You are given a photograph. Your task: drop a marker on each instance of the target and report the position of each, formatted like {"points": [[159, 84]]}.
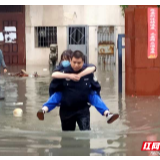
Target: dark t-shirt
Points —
{"points": [[76, 93], [72, 89]]}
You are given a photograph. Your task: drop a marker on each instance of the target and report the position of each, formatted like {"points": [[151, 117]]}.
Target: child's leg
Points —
{"points": [[96, 101], [52, 102]]}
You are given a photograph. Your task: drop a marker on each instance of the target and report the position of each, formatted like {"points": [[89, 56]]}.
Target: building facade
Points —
{"points": [[92, 29]]}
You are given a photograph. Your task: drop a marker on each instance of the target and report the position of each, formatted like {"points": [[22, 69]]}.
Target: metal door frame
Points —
{"points": [[120, 47], [86, 39]]}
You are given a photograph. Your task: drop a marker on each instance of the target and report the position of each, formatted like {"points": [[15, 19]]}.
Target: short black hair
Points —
{"points": [[78, 54]]}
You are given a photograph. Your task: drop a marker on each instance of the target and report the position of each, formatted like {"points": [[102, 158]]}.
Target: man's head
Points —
{"points": [[77, 60]]}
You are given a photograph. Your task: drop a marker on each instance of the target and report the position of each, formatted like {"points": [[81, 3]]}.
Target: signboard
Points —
{"points": [[105, 36], [105, 48], [1, 37], [10, 34]]}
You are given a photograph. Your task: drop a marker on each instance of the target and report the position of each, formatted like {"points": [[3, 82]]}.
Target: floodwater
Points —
{"points": [[139, 120]]}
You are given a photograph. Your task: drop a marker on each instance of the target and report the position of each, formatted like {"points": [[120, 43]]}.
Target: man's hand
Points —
{"points": [[79, 75], [74, 77], [5, 70]]}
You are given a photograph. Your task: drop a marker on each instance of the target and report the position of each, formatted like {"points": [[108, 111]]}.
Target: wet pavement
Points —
{"points": [[139, 119]]}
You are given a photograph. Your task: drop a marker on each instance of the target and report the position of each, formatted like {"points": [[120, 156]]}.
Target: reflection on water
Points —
{"points": [[139, 120]]}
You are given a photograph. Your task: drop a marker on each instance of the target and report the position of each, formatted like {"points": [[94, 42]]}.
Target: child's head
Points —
{"points": [[65, 58]]}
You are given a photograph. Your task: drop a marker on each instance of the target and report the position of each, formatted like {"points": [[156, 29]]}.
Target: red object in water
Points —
{"points": [[152, 33]]}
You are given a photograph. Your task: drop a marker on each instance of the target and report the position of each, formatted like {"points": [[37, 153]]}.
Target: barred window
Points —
{"points": [[76, 35], [44, 36]]}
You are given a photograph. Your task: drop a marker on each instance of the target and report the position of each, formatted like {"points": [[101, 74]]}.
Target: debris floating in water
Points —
{"points": [[18, 104], [44, 69], [107, 79], [2, 98], [22, 73], [18, 112], [14, 104]]}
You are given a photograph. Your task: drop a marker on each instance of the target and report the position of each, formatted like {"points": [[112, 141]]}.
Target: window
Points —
{"points": [[45, 36], [76, 35]]}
